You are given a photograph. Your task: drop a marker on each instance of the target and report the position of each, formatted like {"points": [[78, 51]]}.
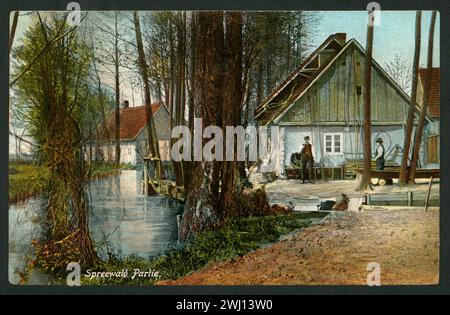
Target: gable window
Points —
{"points": [[333, 143]]}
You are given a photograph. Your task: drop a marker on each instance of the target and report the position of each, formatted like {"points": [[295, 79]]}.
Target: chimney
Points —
{"points": [[342, 37], [126, 104]]}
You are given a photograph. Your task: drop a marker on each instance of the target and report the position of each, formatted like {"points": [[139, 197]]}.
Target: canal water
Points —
{"points": [[122, 221]]}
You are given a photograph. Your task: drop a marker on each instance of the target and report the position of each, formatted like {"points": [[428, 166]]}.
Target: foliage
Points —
{"points": [[234, 238], [64, 65], [275, 43], [54, 256], [53, 94]]}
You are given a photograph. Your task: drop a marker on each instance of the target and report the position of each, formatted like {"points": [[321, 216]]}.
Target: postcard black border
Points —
{"points": [[326, 5]]}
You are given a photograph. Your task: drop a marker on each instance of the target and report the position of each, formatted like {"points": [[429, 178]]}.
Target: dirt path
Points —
{"points": [[405, 243]]}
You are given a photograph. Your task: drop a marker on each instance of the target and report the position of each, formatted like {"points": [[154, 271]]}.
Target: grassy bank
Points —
{"points": [[99, 170], [22, 180], [25, 178], [234, 239]]}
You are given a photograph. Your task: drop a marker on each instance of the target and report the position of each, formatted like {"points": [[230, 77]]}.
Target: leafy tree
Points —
{"points": [[53, 94]]}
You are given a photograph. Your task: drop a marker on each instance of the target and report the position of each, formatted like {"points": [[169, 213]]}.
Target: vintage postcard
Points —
{"points": [[224, 147]]}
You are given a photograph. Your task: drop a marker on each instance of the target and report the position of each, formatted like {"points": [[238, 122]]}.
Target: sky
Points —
{"points": [[395, 35]]}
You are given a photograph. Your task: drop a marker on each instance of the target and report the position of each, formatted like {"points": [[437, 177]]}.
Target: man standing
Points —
{"points": [[379, 158], [307, 160]]}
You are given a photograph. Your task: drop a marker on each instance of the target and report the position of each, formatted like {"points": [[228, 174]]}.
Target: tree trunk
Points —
{"points": [[105, 136], [259, 83], [173, 103], [81, 218], [412, 105], [151, 129], [215, 189], [180, 88], [117, 77], [232, 100], [426, 95], [202, 208], [13, 29], [182, 67], [192, 66], [366, 176]]}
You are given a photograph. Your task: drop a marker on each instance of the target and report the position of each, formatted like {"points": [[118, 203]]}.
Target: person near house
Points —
{"points": [[307, 160], [379, 151]]}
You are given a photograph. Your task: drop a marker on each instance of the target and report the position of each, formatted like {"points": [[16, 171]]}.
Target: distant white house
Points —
{"points": [[133, 134]]}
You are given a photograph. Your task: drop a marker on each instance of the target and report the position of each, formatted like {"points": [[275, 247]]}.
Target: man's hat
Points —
{"points": [[306, 138], [379, 140]]}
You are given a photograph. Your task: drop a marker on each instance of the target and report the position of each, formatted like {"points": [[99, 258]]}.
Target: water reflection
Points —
{"points": [[122, 221], [23, 223]]}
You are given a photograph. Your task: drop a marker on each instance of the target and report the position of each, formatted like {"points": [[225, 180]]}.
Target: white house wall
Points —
{"points": [[127, 152], [293, 139], [161, 119]]}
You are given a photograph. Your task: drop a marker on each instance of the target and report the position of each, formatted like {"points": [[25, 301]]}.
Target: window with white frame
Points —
{"points": [[333, 143]]}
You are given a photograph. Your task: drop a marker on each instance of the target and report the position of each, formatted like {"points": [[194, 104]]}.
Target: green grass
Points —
{"points": [[22, 180], [25, 178], [105, 169], [236, 238]]}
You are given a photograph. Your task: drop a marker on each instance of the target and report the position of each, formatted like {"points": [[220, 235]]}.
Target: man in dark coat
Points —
{"points": [[379, 157], [307, 160]]}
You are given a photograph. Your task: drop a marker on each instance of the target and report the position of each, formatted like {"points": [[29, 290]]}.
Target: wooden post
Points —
{"points": [[428, 194], [13, 30], [404, 176], [365, 183], [146, 177]]}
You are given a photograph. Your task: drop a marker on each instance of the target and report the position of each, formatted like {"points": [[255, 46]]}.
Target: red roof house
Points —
{"points": [[133, 132]]}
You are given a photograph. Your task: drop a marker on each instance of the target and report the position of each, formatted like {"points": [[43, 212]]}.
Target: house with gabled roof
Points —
{"points": [[323, 99], [133, 133]]}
